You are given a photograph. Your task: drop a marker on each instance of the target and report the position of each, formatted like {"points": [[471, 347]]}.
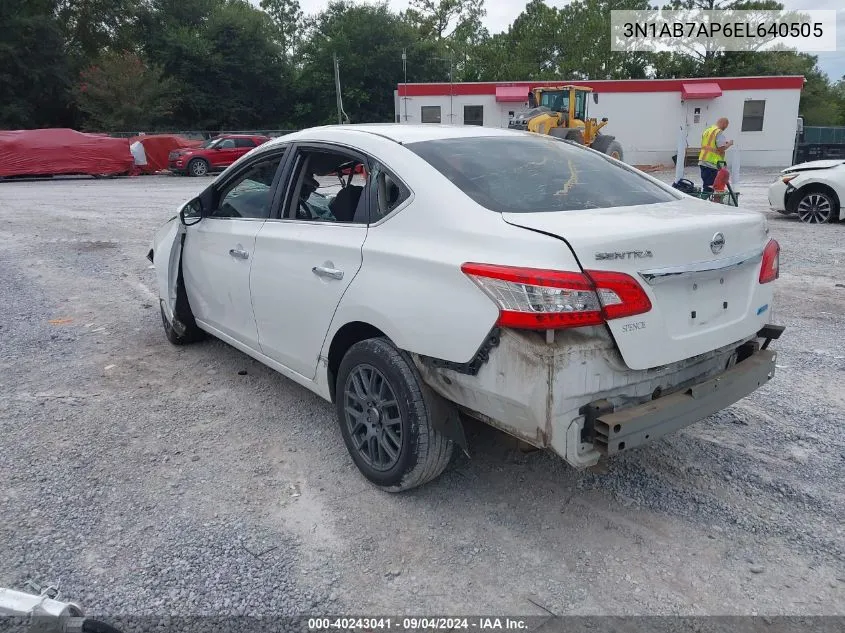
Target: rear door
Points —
{"points": [[218, 251], [306, 259], [243, 146]]}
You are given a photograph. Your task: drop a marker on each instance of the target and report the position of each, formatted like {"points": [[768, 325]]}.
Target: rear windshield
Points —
{"points": [[528, 173]]}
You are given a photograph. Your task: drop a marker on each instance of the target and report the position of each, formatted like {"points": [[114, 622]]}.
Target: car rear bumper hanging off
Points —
{"points": [[576, 397], [617, 431]]}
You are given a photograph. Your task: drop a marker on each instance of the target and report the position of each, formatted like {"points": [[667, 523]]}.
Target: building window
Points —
{"points": [[473, 115], [430, 114], [752, 116]]}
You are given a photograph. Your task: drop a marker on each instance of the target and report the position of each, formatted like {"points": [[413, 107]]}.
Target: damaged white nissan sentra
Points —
{"points": [[409, 274]]}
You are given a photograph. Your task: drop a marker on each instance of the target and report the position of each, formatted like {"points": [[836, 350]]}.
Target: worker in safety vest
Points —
{"points": [[713, 146]]}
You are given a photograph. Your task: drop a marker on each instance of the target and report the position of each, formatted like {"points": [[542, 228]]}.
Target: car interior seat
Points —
{"points": [[345, 202]]}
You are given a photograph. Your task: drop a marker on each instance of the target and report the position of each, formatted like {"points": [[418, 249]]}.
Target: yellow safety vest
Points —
{"points": [[708, 153]]}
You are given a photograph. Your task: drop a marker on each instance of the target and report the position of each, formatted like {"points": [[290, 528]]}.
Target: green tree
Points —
{"points": [[437, 19], [287, 14], [122, 93], [225, 56], [368, 40], [533, 48], [586, 51], [34, 70], [92, 26]]}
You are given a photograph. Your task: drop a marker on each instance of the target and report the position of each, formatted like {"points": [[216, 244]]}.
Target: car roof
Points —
{"points": [[241, 136], [402, 133]]}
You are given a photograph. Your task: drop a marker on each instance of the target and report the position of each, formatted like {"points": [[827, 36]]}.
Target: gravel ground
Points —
{"points": [[149, 479]]}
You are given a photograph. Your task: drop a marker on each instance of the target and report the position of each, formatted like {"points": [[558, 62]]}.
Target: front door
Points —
{"points": [[305, 261], [225, 153], [219, 251]]}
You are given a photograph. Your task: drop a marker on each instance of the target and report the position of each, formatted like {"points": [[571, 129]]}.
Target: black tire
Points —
{"points": [[185, 330], [816, 205], [614, 150], [392, 399], [198, 167], [190, 333], [575, 135]]}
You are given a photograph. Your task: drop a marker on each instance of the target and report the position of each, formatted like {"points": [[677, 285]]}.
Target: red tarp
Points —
{"points": [[700, 91], [157, 147], [57, 151], [511, 93]]}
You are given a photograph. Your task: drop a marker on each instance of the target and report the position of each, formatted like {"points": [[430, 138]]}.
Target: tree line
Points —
{"points": [[130, 65]]}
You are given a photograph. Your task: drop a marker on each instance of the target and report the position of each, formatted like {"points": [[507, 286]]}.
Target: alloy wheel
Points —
{"points": [[199, 168], [815, 208], [373, 417]]}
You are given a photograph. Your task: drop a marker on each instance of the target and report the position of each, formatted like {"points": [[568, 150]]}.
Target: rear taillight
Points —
{"points": [[770, 268], [537, 299]]}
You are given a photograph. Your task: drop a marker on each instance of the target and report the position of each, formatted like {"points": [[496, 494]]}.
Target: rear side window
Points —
{"points": [[524, 174], [244, 142]]}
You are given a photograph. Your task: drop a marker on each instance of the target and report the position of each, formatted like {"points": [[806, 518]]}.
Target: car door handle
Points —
{"points": [[322, 271], [238, 254]]}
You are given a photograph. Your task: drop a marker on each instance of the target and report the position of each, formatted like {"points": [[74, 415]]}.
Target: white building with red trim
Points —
{"points": [[645, 115]]}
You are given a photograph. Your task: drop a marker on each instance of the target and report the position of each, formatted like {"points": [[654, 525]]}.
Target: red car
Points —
{"points": [[214, 155]]}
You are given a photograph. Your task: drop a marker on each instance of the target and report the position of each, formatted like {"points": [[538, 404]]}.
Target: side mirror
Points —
{"points": [[191, 212], [595, 97]]}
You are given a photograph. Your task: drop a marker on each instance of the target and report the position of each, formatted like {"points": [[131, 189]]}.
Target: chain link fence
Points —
{"points": [[201, 134]]}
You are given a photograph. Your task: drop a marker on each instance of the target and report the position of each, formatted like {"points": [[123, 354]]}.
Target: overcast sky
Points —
{"points": [[500, 13]]}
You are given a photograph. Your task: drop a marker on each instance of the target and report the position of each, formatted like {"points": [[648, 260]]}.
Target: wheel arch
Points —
{"points": [[345, 337]]}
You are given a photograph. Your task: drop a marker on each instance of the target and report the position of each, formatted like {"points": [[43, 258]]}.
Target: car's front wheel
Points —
{"points": [[384, 419], [817, 207], [198, 167], [180, 333]]}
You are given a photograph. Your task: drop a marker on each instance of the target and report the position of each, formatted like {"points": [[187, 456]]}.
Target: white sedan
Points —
{"points": [[534, 284], [814, 191]]}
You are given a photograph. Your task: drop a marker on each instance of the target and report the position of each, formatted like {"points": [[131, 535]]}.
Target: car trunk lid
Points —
{"points": [[698, 262]]}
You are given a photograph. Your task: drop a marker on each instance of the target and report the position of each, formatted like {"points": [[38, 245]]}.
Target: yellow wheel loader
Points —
{"points": [[562, 112]]}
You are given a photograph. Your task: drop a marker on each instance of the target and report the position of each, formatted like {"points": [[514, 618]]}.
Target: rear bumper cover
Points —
{"points": [[635, 426], [570, 395]]}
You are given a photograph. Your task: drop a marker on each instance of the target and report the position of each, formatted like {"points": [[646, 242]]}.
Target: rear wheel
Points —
{"points": [[383, 418], [817, 207], [614, 150], [198, 167], [575, 135]]}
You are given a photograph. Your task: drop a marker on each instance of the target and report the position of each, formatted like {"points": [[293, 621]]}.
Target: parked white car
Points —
{"points": [[814, 191], [534, 284]]}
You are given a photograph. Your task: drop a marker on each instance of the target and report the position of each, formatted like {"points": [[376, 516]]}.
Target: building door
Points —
{"points": [[698, 118]]}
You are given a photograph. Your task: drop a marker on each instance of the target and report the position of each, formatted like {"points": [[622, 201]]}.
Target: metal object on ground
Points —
{"points": [[43, 612]]}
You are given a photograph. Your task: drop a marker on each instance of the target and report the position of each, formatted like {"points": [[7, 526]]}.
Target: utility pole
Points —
{"points": [[341, 115], [405, 85], [451, 60]]}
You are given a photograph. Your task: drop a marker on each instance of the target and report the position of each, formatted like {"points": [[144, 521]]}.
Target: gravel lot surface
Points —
{"points": [[149, 479]]}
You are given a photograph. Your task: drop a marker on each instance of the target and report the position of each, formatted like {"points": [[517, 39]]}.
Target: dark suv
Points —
{"points": [[214, 155]]}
